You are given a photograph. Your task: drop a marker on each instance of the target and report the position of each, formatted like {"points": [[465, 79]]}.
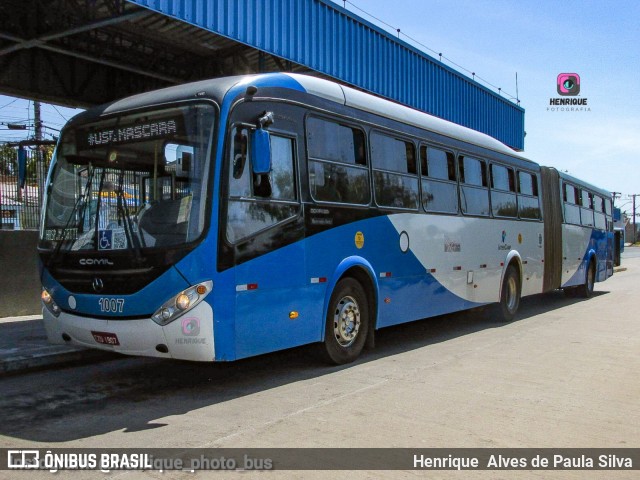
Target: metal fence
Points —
{"points": [[23, 171]]}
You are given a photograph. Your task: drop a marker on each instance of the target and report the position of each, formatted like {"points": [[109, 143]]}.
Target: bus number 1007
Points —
{"points": [[111, 305]]}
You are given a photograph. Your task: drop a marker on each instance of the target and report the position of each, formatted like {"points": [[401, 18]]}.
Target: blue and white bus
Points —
{"points": [[233, 217]]}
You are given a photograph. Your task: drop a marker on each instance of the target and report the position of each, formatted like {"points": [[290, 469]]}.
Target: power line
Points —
{"points": [[63, 117], [10, 103]]}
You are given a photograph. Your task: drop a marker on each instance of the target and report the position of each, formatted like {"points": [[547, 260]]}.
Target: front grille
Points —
{"points": [[122, 282]]}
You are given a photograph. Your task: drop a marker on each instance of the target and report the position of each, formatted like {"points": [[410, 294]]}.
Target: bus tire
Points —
{"points": [[347, 323], [509, 295], [586, 289]]}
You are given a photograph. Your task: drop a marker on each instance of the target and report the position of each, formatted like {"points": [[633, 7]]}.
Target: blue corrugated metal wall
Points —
{"points": [[327, 38]]}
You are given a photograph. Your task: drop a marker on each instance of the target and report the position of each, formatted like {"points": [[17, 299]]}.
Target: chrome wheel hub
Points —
{"points": [[346, 321]]}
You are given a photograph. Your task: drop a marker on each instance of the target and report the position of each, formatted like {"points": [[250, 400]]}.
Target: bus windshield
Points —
{"points": [[131, 182]]}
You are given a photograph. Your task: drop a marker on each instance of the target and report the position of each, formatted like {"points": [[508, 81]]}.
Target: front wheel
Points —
{"points": [[347, 323], [510, 295]]}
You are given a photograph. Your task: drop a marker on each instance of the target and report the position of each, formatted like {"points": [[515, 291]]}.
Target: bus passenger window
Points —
{"points": [[474, 196], [502, 178], [394, 164], [359, 152], [423, 160], [333, 141], [571, 204], [337, 166], [598, 204], [411, 158], [503, 197], [599, 215], [528, 201], [439, 190], [586, 211]]}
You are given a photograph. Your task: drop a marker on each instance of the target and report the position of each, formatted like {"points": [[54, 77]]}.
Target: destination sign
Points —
{"points": [[157, 129]]}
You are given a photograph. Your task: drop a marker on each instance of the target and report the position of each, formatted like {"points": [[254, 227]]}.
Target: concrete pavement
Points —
{"points": [[24, 347]]}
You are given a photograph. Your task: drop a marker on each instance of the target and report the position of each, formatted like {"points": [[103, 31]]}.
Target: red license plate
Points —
{"points": [[105, 338]]}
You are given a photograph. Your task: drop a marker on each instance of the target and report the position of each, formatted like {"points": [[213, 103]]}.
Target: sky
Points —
{"points": [[538, 40]]}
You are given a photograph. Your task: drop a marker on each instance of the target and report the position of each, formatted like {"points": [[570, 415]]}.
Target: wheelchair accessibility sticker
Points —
{"points": [[105, 239], [112, 239]]}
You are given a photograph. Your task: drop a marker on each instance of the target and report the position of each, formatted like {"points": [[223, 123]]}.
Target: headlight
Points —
{"points": [[48, 302], [182, 303]]}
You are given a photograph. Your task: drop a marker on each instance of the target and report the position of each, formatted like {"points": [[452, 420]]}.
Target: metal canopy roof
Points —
{"points": [[83, 53]]}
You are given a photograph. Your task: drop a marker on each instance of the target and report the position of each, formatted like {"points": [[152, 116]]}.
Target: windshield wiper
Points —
{"points": [[73, 211], [123, 211]]}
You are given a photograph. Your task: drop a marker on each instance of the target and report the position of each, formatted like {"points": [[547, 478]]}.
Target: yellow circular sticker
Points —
{"points": [[519, 238], [359, 239]]}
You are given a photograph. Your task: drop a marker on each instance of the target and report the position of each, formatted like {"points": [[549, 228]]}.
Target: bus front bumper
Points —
{"points": [[189, 337]]}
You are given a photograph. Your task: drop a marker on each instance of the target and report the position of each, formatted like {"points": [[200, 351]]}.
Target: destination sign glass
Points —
{"points": [[150, 130]]}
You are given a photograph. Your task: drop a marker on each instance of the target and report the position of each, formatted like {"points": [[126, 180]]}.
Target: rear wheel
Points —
{"points": [[510, 295], [586, 290], [347, 323]]}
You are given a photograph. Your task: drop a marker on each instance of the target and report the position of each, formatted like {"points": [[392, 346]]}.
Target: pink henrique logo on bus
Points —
{"points": [[190, 326]]}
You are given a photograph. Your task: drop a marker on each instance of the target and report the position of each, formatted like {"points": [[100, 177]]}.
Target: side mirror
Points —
{"points": [[260, 151]]}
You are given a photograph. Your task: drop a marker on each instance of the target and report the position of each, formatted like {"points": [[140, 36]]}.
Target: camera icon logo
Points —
{"points": [[190, 327], [23, 459], [568, 84]]}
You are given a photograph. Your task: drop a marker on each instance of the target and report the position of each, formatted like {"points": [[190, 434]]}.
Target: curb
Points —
{"points": [[26, 363]]}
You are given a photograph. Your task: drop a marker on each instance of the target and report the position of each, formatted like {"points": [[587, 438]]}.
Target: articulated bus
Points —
{"points": [[233, 217]]}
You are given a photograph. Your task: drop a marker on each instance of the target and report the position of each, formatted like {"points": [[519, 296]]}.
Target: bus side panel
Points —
{"points": [[277, 306], [423, 263], [468, 256], [224, 315], [579, 243], [401, 278]]}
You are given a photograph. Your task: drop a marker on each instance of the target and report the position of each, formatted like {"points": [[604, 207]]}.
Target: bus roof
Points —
{"points": [[386, 108], [217, 88], [582, 183]]}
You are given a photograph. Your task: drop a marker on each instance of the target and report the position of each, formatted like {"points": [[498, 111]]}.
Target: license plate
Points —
{"points": [[105, 338]]}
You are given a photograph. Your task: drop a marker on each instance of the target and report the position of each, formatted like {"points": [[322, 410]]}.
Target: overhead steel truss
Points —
{"points": [[81, 53]]}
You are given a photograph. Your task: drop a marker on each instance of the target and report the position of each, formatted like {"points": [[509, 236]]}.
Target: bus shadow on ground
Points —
{"points": [[130, 394], [422, 333]]}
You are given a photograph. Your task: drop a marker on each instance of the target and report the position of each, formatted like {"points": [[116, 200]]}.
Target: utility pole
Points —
{"points": [[38, 136], [616, 195], [635, 231]]}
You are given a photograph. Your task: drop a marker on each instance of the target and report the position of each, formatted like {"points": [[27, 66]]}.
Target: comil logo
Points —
{"points": [[568, 84]]}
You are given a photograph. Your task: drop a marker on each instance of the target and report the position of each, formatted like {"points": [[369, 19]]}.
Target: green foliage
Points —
{"points": [[8, 160]]}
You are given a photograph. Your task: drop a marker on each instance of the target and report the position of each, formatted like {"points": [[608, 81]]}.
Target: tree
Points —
{"points": [[8, 160]]}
